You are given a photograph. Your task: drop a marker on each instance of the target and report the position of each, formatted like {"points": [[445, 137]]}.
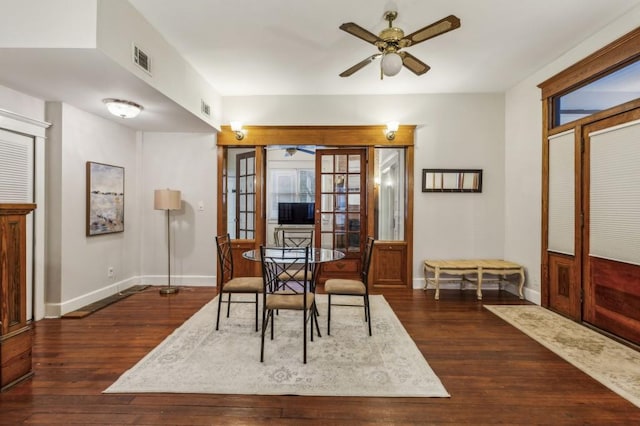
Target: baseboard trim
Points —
{"points": [[56, 310], [529, 294]]}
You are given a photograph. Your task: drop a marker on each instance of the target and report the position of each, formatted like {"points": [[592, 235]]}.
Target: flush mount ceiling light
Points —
{"points": [[122, 108]]}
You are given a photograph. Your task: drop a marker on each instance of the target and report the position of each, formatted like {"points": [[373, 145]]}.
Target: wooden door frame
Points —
{"points": [[613, 56], [370, 137]]}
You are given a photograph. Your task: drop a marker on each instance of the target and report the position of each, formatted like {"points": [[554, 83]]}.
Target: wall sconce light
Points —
{"points": [[122, 108], [236, 127], [392, 128]]}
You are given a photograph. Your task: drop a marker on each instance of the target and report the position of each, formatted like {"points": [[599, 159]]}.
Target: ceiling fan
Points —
{"points": [[391, 40]]}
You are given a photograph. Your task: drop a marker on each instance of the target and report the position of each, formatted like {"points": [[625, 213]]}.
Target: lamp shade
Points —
{"points": [[391, 64], [167, 199]]}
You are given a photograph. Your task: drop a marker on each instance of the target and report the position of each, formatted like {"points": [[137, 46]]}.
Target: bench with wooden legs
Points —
{"points": [[464, 270]]}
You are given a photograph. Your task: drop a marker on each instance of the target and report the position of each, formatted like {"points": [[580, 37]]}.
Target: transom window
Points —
{"points": [[615, 88]]}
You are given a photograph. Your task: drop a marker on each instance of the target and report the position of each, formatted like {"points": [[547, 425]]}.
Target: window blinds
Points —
{"points": [[614, 215], [16, 167], [561, 193]]}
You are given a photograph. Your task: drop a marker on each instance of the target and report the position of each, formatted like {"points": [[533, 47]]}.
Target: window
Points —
{"points": [[616, 88]]}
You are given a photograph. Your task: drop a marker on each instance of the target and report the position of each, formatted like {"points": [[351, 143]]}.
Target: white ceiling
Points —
{"points": [[294, 47]]}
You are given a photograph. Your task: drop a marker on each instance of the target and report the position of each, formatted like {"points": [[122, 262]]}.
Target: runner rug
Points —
{"points": [[613, 364], [196, 358]]}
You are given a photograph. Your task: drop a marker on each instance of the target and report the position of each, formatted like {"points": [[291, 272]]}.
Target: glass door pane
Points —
{"points": [[245, 206], [342, 186]]}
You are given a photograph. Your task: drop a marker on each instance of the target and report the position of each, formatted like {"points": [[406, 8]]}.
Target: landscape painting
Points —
{"points": [[105, 199]]}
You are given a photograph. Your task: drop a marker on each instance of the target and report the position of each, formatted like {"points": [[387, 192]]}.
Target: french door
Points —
{"points": [[611, 231], [341, 208], [246, 195]]}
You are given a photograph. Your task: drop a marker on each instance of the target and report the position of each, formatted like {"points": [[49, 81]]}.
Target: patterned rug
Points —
{"points": [[614, 365], [196, 358]]}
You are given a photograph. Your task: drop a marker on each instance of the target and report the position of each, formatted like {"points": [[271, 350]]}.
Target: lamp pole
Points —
{"points": [[166, 199]]}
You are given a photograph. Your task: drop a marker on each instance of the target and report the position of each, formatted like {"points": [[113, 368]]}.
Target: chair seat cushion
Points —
{"points": [[243, 285], [344, 286], [288, 300]]}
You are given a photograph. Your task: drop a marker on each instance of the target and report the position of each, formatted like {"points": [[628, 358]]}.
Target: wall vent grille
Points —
{"points": [[205, 108], [141, 59]]}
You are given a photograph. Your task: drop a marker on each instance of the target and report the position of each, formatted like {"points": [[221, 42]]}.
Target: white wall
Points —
{"points": [[523, 153], [170, 73], [75, 23], [454, 131], [76, 270], [20, 103], [186, 162]]}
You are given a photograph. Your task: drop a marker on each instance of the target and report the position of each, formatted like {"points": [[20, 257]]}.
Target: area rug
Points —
{"points": [[196, 358], [614, 365]]}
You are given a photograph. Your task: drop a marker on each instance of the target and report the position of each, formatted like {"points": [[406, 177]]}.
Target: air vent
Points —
{"points": [[141, 59], [205, 108]]}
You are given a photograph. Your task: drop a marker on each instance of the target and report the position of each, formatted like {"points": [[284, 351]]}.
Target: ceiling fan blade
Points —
{"points": [[361, 33], [442, 26], [414, 64], [359, 65]]}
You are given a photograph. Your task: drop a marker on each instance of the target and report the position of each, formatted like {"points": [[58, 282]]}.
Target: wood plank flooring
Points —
{"points": [[494, 373]]}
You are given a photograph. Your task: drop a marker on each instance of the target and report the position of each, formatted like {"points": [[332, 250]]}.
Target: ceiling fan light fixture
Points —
{"points": [[391, 64], [122, 108]]}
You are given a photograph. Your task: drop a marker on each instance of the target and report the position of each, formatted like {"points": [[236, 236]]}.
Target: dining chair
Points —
{"points": [[283, 292], [228, 284], [295, 237], [350, 287]]}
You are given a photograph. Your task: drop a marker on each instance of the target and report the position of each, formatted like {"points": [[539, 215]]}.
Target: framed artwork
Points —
{"points": [[451, 180], [105, 199]]}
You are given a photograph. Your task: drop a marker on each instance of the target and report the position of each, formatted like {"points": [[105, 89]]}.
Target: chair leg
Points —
{"points": [[220, 296], [256, 311], [329, 315], [273, 320], [304, 336], [367, 311], [229, 305], [265, 320], [315, 320]]}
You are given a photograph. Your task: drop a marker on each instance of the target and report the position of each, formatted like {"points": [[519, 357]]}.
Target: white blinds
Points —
{"points": [[16, 168], [614, 217], [560, 238]]}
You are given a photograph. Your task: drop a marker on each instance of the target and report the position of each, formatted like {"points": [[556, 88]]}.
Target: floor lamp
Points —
{"points": [[167, 199]]}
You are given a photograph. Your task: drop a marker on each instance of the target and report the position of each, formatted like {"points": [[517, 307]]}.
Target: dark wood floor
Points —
{"points": [[494, 373]]}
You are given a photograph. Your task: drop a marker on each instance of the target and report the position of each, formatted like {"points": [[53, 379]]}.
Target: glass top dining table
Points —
{"points": [[316, 255]]}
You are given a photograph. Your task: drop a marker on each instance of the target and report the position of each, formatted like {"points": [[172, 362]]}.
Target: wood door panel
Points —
{"points": [[388, 268], [241, 266], [614, 298], [564, 288]]}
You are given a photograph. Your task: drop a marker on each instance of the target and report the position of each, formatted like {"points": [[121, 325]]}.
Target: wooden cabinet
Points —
{"points": [[15, 329]]}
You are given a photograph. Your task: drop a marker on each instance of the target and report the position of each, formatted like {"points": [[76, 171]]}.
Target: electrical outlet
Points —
{"points": [[110, 272]]}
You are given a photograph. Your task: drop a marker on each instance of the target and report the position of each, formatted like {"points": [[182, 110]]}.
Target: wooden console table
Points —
{"points": [[464, 269], [15, 329]]}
